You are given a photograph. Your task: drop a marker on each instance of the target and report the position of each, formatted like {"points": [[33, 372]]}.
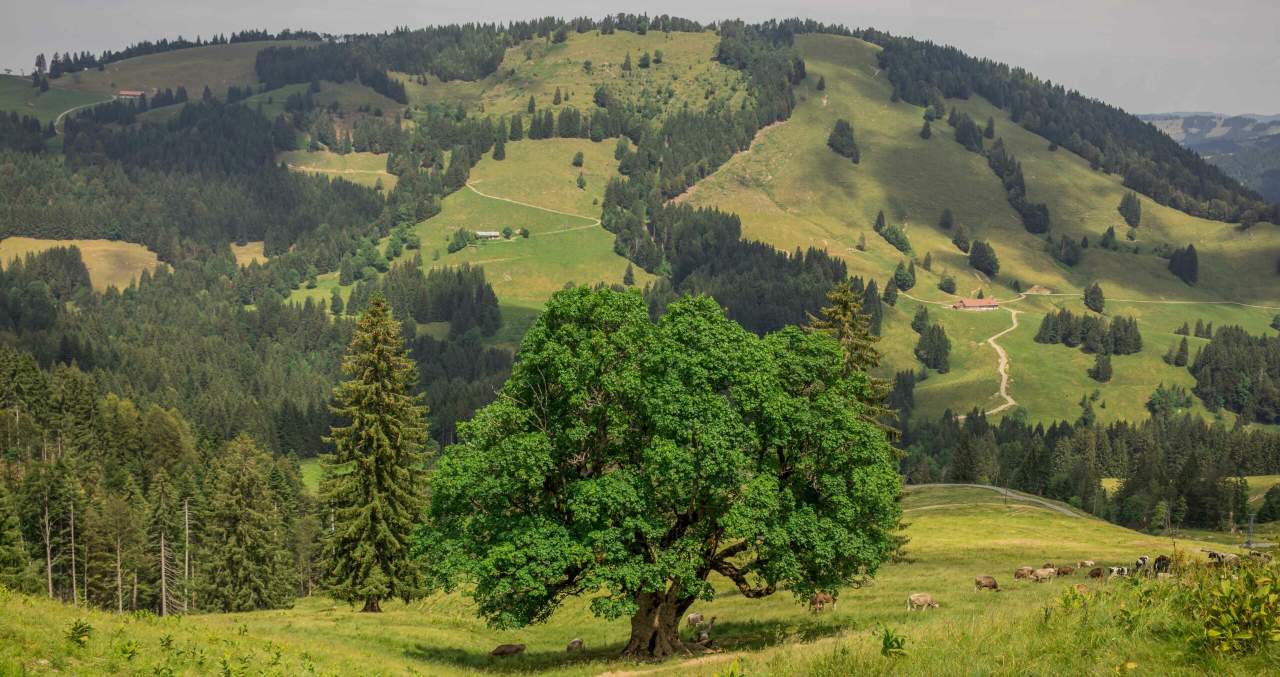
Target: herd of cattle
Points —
{"points": [[821, 601]]}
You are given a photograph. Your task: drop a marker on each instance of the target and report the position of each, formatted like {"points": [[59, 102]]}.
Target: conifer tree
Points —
{"points": [[517, 128], [841, 140], [1094, 299], [873, 307], [629, 277], [846, 320], [926, 131], [990, 130], [934, 348], [1180, 357], [17, 570], [983, 257], [920, 321], [947, 284], [890, 296], [247, 564], [927, 264], [335, 303], [880, 222], [1101, 371], [1131, 209], [555, 100], [961, 239], [374, 486], [499, 150], [532, 106], [822, 83]]}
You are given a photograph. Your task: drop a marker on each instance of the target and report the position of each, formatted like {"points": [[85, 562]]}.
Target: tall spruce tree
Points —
{"points": [[845, 320], [374, 484], [1131, 209], [246, 565], [17, 569]]}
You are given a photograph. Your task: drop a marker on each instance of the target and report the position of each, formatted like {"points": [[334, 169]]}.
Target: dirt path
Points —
{"points": [[594, 221], [1006, 493], [1003, 365], [58, 120]]}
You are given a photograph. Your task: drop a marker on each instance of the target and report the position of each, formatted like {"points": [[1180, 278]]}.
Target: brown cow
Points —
{"points": [[1096, 572], [1085, 563], [575, 645], [985, 583], [1042, 575], [1066, 571], [507, 650], [819, 601], [920, 600], [1022, 573]]}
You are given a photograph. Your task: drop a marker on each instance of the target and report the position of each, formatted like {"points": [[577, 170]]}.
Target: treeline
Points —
{"points": [[71, 62], [23, 134], [338, 62], [924, 73], [1175, 471], [1240, 373], [120, 506]]}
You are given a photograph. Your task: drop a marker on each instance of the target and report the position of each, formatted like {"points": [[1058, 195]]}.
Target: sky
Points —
{"points": [[1143, 55]]}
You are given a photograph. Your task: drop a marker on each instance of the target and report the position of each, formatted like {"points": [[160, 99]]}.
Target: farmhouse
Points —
{"points": [[976, 304], [487, 235], [131, 94]]}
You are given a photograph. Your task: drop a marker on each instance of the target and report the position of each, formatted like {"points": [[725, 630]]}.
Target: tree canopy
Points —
{"points": [[629, 459]]}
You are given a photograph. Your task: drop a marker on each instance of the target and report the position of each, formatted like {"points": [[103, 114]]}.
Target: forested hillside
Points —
{"points": [[516, 257]]}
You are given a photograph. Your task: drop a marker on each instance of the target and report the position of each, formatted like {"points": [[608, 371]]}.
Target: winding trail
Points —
{"points": [[58, 120], [594, 221], [1003, 365]]}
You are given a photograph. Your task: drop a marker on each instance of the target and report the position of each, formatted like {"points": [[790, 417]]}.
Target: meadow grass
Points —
{"points": [[249, 252], [956, 533], [111, 263], [215, 66], [542, 173], [17, 94], [365, 169]]}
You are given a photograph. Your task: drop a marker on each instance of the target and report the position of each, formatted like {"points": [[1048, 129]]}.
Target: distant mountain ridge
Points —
{"points": [[1245, 146]]}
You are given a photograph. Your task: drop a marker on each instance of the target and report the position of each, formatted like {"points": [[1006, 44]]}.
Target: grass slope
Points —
{"points": [[215, 66], [687, 75], [111, 263], [366, 169], [534, 188], [791, 191], [956, 533], [249, 252], [17, 94]]}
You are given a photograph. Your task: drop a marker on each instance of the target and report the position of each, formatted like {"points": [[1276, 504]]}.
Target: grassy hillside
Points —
{"points": [[215, 66], [249, 252], [17, 94], [956, 533], [534, 188], [792, 191], [686, 75], [366, 169], [110, 263]]}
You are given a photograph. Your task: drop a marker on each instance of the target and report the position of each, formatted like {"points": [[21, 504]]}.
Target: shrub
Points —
{"points": [[79, 632], [892, 644], [1240, 608]]}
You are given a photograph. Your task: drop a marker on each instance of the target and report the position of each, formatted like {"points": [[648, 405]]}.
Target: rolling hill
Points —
{"points": [[955, 533]]}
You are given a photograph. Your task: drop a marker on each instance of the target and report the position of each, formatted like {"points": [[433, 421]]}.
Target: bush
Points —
{"points": [[79, 632], [1240, 608], [948, 284]]}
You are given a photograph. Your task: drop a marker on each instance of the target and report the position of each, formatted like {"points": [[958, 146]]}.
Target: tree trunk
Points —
{"points": [[48, 549], [371, 606], [75, 586], [119, 580], [655, 627]]}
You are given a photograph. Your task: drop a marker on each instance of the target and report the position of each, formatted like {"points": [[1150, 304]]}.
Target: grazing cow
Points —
{"points": [[1260, 556], [1066, 571], [1222, 558], [507, 650], [1085, 563], [1119, 572], [1140, 563], [1022, 573], [819, 601], [575, 646], [1162, 564], [1096, 572], [693, 620], [1042, 575], [985, 583], [921, 600]]}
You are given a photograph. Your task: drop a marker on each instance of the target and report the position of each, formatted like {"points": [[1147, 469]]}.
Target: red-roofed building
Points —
{"points": [[976, 304]]}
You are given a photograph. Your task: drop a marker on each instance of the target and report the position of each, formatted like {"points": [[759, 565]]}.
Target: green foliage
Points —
{"points": [[893, 234], [1240, 609], [1270, 510], [577, 159], [461, 239], [947, 284], [892, 643], [960, 238], [1101, 369], [920, 321], [1165, 401], [842, 142], [582, 413], [374, 484], [934, 348], [79, 632]]}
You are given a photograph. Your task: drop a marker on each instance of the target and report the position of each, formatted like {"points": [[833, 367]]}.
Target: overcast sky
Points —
{"points": [[1143, 55]]}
